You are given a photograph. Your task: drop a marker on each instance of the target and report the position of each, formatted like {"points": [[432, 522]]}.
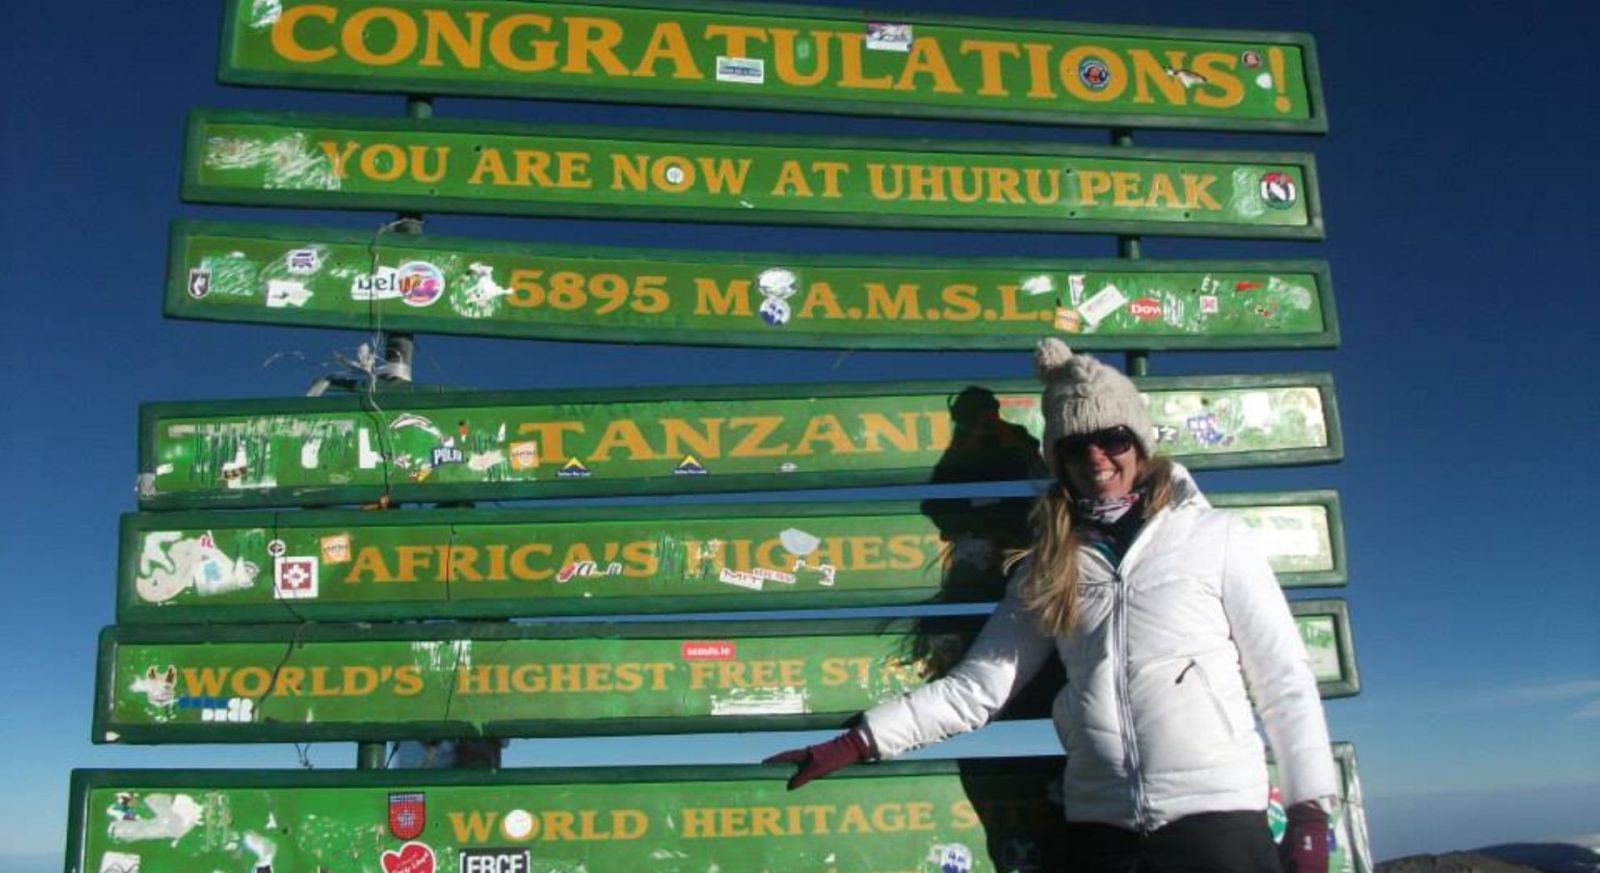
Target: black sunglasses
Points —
{"points": [[1112, 441]]}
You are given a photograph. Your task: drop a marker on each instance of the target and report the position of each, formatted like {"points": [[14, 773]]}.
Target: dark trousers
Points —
{"points": [[1209, 842]]}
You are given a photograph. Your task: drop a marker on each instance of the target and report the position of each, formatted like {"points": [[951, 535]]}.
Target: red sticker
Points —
{"points": [[408, 814], [707, 651], [1013, 401], [412, 858], [1247, 286], [1145, 309]]}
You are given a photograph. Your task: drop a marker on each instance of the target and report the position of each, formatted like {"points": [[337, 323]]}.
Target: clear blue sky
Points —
{"points": [[1459, 194]]}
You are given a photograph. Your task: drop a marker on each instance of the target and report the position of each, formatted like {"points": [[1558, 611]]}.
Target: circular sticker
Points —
{"points": [[1278, 190], [518, 825], [775, 311], [1250, 58], [1094, 74], [420, 283], [277, 548]]}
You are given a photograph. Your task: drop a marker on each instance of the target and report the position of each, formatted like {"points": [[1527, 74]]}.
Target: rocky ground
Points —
{"points": [[1509, 858]]}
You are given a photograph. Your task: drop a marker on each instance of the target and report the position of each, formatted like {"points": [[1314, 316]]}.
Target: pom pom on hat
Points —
{"points": [[1050, 358], [1082, 395]]}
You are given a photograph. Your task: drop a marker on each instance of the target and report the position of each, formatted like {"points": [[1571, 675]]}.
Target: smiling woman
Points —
{"points": [[1162, 614]]}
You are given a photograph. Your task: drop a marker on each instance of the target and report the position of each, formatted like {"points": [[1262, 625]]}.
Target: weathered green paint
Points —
{"points": [[898, 816], [657, 440], [485, 563], [284, 159], [281, 683], [1325, 630], [321, 277], [796, 58]]}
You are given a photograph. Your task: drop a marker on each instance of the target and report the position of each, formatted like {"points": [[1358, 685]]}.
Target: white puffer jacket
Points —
{"points": [[1155, 717]]}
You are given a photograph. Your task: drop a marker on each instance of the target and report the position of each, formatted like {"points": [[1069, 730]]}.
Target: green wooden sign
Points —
{"points": [[485, 563], [783, 57], [659, 440], [317, 277], [346, 162], [937, 816], [316, 682]]}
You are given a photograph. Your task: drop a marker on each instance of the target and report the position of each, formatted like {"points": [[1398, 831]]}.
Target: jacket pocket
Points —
{"points": [[1197, 671]]}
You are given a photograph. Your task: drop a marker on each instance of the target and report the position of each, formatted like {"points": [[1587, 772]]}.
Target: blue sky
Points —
{"points": [[1460, 211]]}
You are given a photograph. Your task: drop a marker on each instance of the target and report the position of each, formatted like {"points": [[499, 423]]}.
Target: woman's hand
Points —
{"points": [[816, 761], [1305, 843]]}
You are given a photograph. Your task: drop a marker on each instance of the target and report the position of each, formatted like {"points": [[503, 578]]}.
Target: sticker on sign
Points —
{"points": [[708, 651]]}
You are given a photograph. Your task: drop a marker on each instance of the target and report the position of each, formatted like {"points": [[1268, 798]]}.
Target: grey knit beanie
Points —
{"points": [[1082, 395]]}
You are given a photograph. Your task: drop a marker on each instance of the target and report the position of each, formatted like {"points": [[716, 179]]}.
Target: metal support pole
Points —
{"points": [[370, 756], [399, 349], [1136, 363]]}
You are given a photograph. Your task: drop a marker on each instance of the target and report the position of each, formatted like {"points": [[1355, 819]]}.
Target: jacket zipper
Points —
{"points": [[1125, 702], [1141, 803]]}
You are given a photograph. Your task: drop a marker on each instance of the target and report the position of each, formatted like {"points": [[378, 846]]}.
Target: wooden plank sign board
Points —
{"points": [[347, 162], [783, 57], [314, 682], [321, 277], [980, 816], [488, 563], [668, 440]]}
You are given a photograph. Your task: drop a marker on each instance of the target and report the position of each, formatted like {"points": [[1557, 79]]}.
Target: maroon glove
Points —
{"points": [[1305, 842], [817, 761]]}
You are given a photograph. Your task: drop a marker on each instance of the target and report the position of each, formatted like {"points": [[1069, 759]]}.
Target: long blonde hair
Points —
{"points": [[1050, 590]]}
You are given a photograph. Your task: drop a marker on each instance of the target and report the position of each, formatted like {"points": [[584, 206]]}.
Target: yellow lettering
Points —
{"points": [[622, 433], [549, 434], [353, 36], [544, 54], [824, 428], [761, 427], [596, 38], [1090, 184], [472, 827], [784, 54], [711, 300], [467, 49], [1149, 70], [989, 52], [667, 43], [1195, 194], [1222, 88], [927, 58], [288, 46]]}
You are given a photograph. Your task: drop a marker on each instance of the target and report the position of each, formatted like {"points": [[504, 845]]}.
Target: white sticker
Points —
{"points": [[1036, 285], [745, 71], [740, 578], [761, 701], [308, 453], [119, 862], [518, 825], [480, 462], [798, 542], [366, 458], [380, 285], [1108, 300], [888, 37], [170, 819], [303, 262], [283, 293]]}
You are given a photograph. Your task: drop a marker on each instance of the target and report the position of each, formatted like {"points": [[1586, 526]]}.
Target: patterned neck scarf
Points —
{"points": [[1108, 511], [1108, 525]]}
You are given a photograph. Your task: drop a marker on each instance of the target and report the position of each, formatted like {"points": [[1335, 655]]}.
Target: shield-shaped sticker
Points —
{"points": [[407, 815]]}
